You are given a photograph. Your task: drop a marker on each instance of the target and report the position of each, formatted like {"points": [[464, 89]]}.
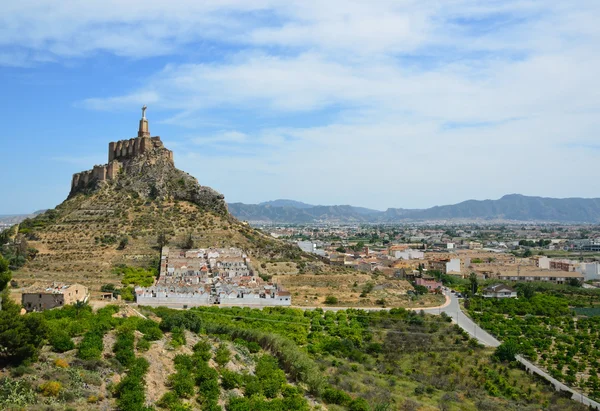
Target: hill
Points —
{"points": [[513, 207], [115, 214]]}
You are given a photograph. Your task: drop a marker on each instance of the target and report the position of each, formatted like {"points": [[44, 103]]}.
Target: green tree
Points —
{"points": [[162, 239], [5, 274], [474, 283], [507, 351]]}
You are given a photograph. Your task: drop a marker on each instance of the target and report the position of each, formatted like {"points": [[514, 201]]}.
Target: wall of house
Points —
{"points": [[74, 293], [41, 301]]}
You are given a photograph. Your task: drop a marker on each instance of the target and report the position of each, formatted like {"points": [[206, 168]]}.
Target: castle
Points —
{"points": [[118, 153]]}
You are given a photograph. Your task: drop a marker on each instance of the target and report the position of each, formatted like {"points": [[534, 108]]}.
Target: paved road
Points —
{"points": [[454, 311]]}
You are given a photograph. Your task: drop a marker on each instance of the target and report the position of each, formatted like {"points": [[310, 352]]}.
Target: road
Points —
{"points": [[464, 322]]}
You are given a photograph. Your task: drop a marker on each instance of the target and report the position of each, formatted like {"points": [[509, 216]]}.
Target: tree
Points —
{"points": [[5, 274], [340, 249], [528, 291], [421, 289], [574, 282], [474, 283], [507, 351], [189, 242], [527, 253], [330, 299], [123, 243], [162, 239]]}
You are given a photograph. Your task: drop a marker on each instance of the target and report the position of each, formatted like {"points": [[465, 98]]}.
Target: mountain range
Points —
{"points": [[512, 207]]}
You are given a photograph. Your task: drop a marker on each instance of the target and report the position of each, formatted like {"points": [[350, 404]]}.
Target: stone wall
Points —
{"points": [[118, 151]]}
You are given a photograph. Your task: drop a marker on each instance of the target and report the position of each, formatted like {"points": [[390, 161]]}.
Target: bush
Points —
{"points": [[61, 341], [15, 393], [230, 379], [222, 356], [330, 299], [177, 337], [143, 345], [60, 363], [51, 388], [359, 404], [91, 346], [123, 348], [335, 396]]}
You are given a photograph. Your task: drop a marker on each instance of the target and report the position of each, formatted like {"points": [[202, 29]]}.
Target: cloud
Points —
{"points": [[393, 102]]}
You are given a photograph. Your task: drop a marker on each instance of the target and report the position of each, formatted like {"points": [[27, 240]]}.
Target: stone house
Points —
{"points": [[57, 295]]}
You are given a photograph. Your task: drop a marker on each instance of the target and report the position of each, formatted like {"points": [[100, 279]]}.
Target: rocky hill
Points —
{"points": [[513, 207], [116, 213]]}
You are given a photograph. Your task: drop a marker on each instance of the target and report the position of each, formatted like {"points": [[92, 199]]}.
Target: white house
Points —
{"points": [[499, 291], [409, 254], [453, 266]]}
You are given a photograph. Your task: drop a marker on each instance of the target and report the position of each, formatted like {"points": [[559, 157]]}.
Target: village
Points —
{"points": [[197, 277], [423, 253]]}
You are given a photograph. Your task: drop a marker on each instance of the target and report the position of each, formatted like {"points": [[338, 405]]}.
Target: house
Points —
{"points": [[56, 295], [408, 254], [499, 291], [429, 282]]}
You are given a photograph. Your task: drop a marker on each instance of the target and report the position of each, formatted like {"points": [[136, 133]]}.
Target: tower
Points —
{"points": [[144, 131]]}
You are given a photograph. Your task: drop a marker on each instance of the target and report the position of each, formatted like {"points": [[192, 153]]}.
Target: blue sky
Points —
{"points": [[380, 104]]}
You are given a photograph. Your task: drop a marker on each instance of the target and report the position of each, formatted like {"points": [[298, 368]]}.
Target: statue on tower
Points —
{"points": [[144, 131]]}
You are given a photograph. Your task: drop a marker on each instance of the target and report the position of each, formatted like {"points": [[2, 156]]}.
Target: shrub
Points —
{"points": [[59, 362], [92, 399], [90, 346], [182, 383], [51, 388], [359, 404], [143, 345], [123, 348], [177, 337], [230, 379], [15, 393], [335, 396], [330, 299], [222, 356], [61, 341]]}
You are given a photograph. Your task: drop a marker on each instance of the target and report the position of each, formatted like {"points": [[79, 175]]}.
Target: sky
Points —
{"points": [[379, 104]]}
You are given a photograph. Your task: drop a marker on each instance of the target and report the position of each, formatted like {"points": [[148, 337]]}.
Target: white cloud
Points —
{"points": [[468, 98]]}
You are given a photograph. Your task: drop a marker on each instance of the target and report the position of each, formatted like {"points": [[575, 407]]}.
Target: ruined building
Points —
{"points": [[120, 152]]}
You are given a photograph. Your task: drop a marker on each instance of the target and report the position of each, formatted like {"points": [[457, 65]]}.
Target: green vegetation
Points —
{"points": [[542, 325], [136, 275]]}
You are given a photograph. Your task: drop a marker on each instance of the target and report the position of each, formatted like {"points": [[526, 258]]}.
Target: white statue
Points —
{"points": [[144, 112]]}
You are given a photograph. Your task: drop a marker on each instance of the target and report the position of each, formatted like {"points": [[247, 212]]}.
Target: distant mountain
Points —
{"points": [[514, 207], [286, 203]]}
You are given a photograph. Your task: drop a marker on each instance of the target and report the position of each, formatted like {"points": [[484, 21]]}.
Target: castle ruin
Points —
{"points": [[118, 153]]}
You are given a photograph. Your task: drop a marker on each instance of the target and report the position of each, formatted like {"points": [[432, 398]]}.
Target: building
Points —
{"points": [[429, 282], [590, 271], [446, 266], [499, 291], [475, 245], [564, 265], [556, 277], [57, 295], [408, 254], [542, 262]]}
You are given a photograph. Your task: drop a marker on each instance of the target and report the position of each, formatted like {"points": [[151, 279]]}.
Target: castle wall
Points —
{"points": [[132, 147], [99, 173]]}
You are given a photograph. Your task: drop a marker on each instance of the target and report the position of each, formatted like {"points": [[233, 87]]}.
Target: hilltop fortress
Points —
{"points": [[120, 152]]}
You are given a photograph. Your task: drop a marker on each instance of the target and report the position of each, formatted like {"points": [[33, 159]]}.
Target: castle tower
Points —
{"points": [[144, 131]]}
